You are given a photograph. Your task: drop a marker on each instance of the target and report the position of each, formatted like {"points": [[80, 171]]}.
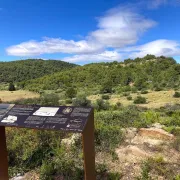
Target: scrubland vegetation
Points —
{"points": [[134, 94]]}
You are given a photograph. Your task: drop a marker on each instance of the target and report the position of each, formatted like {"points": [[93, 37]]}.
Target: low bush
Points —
{"points": [[140, 100], [176, 143], [129, 98], [157, 88], [81, 100], [68, 101], [107, 137], [71, 92], [158, 166], [105, 97], [134, 89], [101, 105], [117, 106], [176, 94], [144, 92], [50, 99], [126, 94]]}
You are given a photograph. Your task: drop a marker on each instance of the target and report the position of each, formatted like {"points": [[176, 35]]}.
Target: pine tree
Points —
{"points": [[11, 87]]}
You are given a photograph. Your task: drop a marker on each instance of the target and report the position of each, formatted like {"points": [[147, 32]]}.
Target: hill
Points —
{"points": [[16, 71], [141, 73]]}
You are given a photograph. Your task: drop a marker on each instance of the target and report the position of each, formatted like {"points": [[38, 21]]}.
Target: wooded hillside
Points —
{"points": [[142, 73], [16, 71]]}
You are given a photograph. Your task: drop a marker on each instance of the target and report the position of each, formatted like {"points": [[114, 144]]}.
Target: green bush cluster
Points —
{"points": [[105, 97], [176, 94], [144, 92], [159, 167], [140, 100], [129, 98], [101, 104], [81, 100]]}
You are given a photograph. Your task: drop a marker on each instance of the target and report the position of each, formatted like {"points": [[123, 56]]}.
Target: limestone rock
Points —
{"points": [[155, 133]]}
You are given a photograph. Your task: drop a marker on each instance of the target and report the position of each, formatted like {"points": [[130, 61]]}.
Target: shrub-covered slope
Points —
{"points": [[142, 73]]}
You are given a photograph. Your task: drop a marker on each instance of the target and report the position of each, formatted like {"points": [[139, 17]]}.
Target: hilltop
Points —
{"points": [[16, 71]]}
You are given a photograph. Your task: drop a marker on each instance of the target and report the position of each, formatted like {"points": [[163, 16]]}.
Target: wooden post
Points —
{"points": [[89, 149], [3, 155]]}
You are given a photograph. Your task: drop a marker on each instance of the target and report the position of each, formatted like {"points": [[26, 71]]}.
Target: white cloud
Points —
{"points": [[104, 56], [159, 47], [120, 27], [52, 45], [117, 28]]}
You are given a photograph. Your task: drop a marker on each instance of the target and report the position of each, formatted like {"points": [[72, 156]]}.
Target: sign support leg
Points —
{"points": [[3, 155], [89, 149]]}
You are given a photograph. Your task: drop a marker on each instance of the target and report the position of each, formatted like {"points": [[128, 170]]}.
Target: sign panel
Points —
{"points": [[66, 118]]}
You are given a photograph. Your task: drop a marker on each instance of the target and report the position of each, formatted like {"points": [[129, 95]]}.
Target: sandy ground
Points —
{"points": [[14, 95]]}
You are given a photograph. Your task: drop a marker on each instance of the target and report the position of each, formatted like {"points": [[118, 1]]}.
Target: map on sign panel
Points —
{"points": [[67, 118]]}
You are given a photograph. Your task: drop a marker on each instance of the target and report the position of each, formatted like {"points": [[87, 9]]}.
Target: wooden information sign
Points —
{"points": [[64, 118]]}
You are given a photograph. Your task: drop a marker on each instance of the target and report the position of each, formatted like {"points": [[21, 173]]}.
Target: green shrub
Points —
{"points": [[71, 92], [123, 117], [175, 131], [176, 143], [101, 105], [157, 88], [105, 97], [150, 117], [11, 87], [158, 166], [126, 94], [140, 100], [177, 177], [117, 106], [134, 89], [50, 99], [176, 94], [47, 170], [107, 87], [107, 137], [68, 101], [81, 100], [144, 92], [129, 98], [126, 88]]}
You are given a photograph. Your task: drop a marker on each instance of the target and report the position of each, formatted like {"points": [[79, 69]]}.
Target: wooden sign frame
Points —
{"points": [[87, 133]]}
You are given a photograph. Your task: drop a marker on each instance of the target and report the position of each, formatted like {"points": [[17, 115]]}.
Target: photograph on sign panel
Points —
{"points": [[46, 111]]}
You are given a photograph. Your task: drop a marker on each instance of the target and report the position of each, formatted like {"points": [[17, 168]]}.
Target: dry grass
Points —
{"points": [[155, 99], [14, 95]]}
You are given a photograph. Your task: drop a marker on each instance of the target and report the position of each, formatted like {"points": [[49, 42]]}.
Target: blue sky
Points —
{"points": [[89, 31]]}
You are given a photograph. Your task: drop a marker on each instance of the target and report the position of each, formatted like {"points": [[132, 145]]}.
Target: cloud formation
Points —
{"points": [[53, 45], [118, 28], [104, 56], [159, 47], [114, 39]]}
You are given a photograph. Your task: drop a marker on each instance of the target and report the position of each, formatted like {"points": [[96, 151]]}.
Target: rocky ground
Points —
{"points": [[138, 146]]}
